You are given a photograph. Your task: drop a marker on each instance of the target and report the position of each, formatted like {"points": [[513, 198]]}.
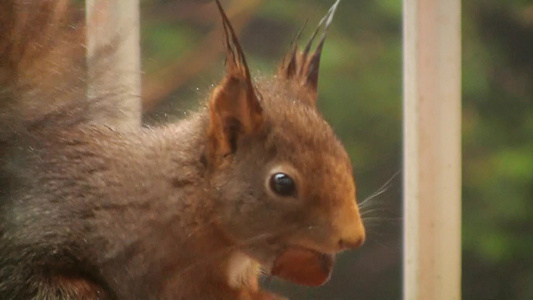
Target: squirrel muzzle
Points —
{"points": [[305, 266]]}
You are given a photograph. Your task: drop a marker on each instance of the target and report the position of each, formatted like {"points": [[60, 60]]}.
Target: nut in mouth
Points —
{"points": [[303, 266]]}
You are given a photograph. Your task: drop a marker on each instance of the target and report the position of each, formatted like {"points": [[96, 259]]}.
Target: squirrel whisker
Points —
{"points": [[381, 190]]}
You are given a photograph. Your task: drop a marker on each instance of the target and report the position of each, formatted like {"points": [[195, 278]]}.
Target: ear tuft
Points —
{"points": [[290, 61], [235, 59], [302, 68], [234, 107]]}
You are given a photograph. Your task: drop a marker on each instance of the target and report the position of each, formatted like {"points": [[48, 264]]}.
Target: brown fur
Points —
{"points": [[177, 212]]}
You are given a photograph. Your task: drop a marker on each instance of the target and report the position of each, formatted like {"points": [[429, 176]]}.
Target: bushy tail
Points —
{"points": [[43, 68], [42, 65]]}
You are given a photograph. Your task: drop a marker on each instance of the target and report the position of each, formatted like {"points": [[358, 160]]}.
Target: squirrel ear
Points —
{"points": [[234, 106], [301, 68]]}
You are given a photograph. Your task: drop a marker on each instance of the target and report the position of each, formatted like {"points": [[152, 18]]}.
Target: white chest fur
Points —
{"points": [[242, 270]]}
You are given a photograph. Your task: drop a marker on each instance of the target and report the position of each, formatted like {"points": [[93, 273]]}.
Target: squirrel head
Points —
{"points": [[283, 181]]}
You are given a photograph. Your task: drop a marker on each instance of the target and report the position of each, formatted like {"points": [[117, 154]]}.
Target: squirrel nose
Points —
{"points": [[348, 229], [351, 243], [352, 236]]}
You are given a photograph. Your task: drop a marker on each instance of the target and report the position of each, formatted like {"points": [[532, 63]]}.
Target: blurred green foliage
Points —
{"points": [[497, 149], [361, 96]]}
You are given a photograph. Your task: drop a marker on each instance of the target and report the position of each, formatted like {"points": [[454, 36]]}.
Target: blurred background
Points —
{"points": [[360, 94]]}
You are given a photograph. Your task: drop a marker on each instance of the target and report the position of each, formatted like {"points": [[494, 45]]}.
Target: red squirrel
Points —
{"points": [[255, 179]]}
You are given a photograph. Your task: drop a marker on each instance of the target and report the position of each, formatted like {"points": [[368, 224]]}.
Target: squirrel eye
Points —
{"points": [[282, 184]]}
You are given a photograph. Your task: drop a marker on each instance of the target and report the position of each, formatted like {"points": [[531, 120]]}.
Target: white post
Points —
{"points": [[432, 149], [113, 59]]}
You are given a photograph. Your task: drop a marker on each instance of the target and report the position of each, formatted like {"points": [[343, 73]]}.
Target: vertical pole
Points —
{"points": [[113, 61], [432, 149]]}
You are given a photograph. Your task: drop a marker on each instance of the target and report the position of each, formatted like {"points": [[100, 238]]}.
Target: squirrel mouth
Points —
{"points": [[303, 266]]}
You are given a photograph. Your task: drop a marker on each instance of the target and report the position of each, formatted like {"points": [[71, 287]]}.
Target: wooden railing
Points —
{"points": [[432, 149]]}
